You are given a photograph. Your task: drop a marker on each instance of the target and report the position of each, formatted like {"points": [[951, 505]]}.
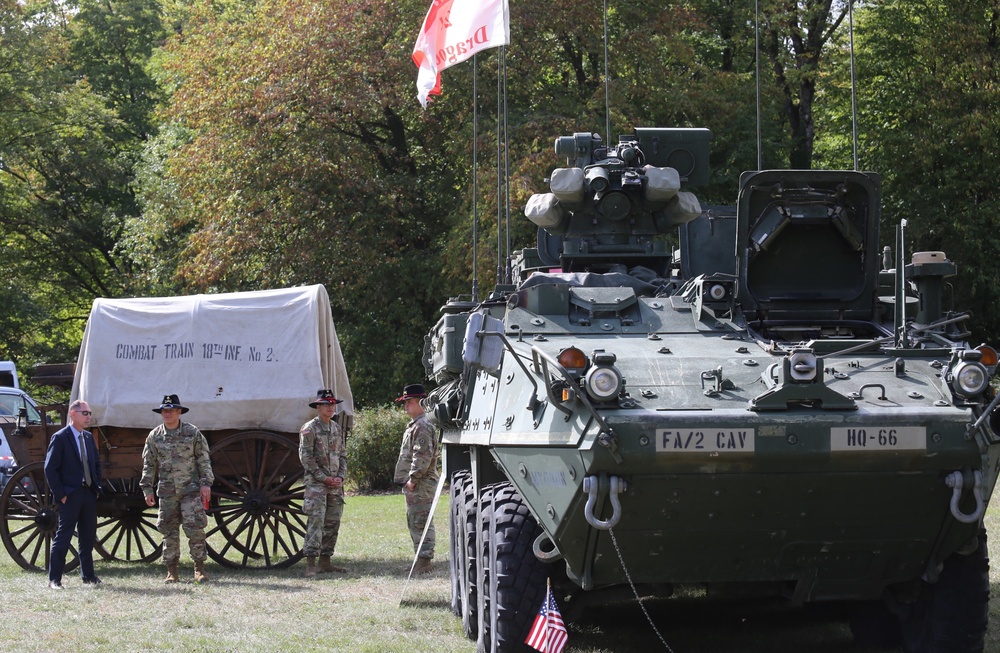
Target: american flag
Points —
{"points": [[548, 633]]}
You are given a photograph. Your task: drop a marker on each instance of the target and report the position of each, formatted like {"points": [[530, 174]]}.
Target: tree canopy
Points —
{"points": [[152, 148]]}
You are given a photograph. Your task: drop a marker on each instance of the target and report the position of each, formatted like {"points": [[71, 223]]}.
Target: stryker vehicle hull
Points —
{"points": [[767, 413]]}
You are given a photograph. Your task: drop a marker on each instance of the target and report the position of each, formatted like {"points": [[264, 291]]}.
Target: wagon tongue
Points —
{"points": [[808, 244]]}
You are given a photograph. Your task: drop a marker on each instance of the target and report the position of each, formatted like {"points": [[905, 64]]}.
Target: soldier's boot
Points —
{"points": [[171, 573], [423, 566], [199, 571], [310, 566], [325, 566]]}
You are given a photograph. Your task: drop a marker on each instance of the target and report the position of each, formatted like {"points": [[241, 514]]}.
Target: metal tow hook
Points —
{"points": [[590, 484], [955, 480]]}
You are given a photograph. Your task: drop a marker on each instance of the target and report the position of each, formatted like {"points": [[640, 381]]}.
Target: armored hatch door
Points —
{"points": [[707, 243], [807, 244]]}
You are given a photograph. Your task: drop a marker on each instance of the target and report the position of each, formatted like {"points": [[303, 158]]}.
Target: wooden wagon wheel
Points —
{"points": [[28, 519], [126, 526], [256, 502]]}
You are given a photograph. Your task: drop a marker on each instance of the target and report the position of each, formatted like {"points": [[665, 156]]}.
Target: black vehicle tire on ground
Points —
{"points": [[456, 538], [517, 582], [470, 535], [484, 568], [951, 615]]}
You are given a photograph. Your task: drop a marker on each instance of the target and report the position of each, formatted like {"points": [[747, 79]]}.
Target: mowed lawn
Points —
{"points": [[371, 608]]}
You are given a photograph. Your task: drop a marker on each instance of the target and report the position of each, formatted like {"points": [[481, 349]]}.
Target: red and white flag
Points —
{"points": [[453, 31], [548, 633]]}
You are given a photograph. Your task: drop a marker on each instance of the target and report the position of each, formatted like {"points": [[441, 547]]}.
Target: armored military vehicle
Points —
{"points": [[771, 404]]}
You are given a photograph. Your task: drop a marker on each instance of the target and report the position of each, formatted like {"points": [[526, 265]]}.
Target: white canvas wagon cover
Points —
{"points": [[238, 360]]}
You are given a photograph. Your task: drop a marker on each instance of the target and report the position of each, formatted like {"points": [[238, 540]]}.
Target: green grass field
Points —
{"points": [[362, 612]]}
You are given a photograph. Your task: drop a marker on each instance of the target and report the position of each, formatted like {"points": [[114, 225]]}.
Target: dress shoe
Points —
{"points": [[93, 580], [55, 585]]}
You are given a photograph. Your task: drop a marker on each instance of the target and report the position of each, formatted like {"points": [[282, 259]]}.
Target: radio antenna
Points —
{"points": [[756, 57], [854, 95], [499, 165], [607, 83], [506, 172]]}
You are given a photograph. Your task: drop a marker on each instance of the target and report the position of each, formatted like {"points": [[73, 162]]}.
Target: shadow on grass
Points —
{"points": [[712, 625], [707, 625]]}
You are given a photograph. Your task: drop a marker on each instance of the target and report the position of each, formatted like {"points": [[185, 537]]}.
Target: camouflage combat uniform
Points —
{"points": [[177, 460], [418, 463], [323, 453]]}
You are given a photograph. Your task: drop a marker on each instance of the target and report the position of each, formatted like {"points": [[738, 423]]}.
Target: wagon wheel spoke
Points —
{"points": [[256, 497], [233, 541], [126, 528], [228, 462], [276, 469], [28, 519]]}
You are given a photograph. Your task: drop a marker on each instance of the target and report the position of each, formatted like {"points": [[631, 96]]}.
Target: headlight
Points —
{"points": [[969, 378], [603, 383]]}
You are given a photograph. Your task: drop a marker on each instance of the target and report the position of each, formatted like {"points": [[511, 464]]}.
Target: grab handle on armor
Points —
{"points": [[955, 481], [590, 484]]}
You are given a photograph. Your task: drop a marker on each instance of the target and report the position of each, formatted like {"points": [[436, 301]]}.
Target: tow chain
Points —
{"points": [[628, 577]]}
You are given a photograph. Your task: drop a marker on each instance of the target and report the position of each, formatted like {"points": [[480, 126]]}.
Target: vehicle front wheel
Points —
{"points": [[517, 579]]}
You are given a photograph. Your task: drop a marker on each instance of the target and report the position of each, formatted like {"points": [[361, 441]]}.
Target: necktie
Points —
{"points": [[86, 462]]}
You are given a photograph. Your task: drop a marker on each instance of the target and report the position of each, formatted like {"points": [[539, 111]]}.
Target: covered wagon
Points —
{"points": [[246, 364]]}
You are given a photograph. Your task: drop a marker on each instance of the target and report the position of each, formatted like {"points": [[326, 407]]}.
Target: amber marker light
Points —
{"points": [[989, 358], [572, 358]]}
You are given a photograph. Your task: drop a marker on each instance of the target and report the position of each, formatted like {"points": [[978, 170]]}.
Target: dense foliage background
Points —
{"points": [[151, 148]]}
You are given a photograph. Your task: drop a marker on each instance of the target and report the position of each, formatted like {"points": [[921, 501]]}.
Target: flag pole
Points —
{"points": [[475, 183]]}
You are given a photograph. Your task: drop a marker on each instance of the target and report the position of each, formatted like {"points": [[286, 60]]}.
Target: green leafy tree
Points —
{"points": [[928, 91], [287, 158], [75, 103]]}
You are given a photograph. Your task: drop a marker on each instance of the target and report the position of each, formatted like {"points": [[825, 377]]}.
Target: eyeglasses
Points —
{"points": [[85, 413]]}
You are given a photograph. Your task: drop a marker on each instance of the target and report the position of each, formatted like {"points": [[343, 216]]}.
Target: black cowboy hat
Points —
{"points": [[325, 396], [413, 391], [171, 401]]}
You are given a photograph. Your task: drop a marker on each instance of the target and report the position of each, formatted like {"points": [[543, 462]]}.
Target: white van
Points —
{"points": [[8, 374]]}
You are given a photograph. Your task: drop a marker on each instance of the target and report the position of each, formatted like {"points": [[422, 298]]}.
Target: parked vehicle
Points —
{"points": [[246, 365], [779, 407], [8, 375], [17, 410]]}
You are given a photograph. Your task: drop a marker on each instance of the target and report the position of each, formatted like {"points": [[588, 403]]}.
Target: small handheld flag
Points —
{"points": [[548, 633]]}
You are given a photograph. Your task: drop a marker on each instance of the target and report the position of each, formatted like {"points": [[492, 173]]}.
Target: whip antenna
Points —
{"points": [[500, 137], [756, 57], [854, 95], [506, 172], [607, 83]]}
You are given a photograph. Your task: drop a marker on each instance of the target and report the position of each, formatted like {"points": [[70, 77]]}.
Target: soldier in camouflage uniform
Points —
{"points": [[323, 453], [416, 469], [175, 457]]}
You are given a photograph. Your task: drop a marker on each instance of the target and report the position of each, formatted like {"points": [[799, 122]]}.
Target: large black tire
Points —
{"points": [[470, 535], [456, 538], [517, 582], [484, 568], [952, 614]]}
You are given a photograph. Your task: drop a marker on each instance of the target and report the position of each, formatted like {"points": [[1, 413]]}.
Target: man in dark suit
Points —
{"points": [[73, 472]]}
